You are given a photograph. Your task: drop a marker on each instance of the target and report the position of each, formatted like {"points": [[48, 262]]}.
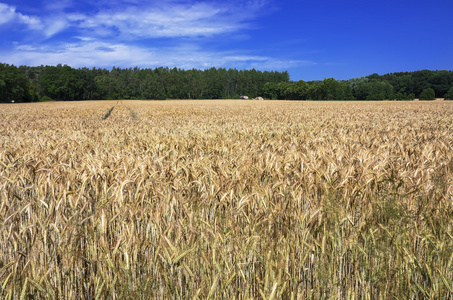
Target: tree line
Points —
{"points": [[424, 85], [66, 83], [62, 82]]}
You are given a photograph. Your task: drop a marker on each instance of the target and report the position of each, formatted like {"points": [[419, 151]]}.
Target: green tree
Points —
{"points": [[355, 84], [285, 90], [13, 84], [427, 94], [65, 83], [2, 85], [403, 96], [330, 89], [300, 90], [271, 90], [449, 94], [374, 90], [62, 83], [315, 90], [416, 82]]}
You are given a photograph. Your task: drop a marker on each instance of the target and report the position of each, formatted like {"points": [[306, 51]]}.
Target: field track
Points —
{"points": [[226, 199]]}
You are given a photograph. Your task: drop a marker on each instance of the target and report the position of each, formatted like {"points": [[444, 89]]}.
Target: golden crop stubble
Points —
{"points": [[226, 199]]}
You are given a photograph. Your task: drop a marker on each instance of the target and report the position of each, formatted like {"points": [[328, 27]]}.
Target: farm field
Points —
{"points": [[226, 199]]}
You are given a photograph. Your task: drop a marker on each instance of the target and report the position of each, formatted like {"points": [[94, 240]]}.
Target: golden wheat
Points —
{"points": [[226, 200]]}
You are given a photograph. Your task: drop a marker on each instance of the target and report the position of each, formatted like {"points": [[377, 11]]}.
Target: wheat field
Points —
{"points": [[226, 200]]}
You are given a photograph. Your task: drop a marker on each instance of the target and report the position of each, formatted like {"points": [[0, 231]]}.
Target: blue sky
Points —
{"points": [[313, 40]]}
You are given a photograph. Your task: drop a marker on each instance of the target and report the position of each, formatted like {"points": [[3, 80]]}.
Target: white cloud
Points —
{"points": [[245, 58], [54, 26], [47, 26], [129, 21], [111, 37], [175, 20], [92, 53], [58, 6], [8, 14], [281, 64]]}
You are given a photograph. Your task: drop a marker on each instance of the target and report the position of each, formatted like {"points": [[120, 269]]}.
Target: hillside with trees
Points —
{"points": [[63, 83]]}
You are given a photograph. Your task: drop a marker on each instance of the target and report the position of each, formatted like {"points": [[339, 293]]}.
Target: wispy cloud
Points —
{"points": [[141, 33], [54, 26], [58, 6], [8, 14], [90, 52], [168, 19], [176, 20], [46, 27]]}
